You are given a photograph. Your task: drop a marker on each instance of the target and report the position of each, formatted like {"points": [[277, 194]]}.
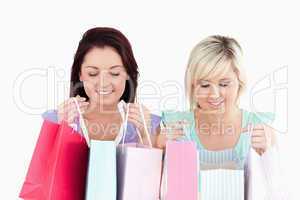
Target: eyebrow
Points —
{"points": [[225, 79], [112, 67]]}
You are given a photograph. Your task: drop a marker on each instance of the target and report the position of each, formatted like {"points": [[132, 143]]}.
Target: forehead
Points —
{"points": [[221, 73], [102, 58]]}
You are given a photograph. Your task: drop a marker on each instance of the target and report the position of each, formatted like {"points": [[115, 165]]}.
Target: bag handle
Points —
{"points": [[123, 131], [137, 131], [186, 136], [145, 126], [82, 123], [84, 128]]}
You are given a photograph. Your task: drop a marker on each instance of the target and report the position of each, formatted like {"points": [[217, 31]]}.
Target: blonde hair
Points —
{"points": [[210, 58]]}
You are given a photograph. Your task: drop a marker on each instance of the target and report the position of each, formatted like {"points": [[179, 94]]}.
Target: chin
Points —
{"points": [[213, 110]]}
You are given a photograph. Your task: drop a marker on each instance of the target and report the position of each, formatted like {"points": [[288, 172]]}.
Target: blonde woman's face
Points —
{"points": [[103, 76], [218, 94]]}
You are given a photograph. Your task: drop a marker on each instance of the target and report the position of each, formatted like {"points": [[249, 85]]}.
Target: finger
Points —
{"points": [[73, 110], [138, 115], [258, 140], [83, 106], [73, 106], [258, 127], [136, 108], [172, 134], [258, 133], [134, 115], [79, 98], [246, 129], [71, 118], [255, 128], [66, 103], [133, 109], [134, 105], [70, 102], [70, 114], [258, 145], [260, 151], [68, 117], [134, 112], [137, 123], [83, 109]]}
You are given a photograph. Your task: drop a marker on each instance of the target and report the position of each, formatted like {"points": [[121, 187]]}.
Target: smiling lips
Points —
{"points": [[104, 92], [216, 103]]}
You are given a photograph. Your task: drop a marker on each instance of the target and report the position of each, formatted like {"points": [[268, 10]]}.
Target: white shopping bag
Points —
{"points": [[222, 184], [264, 180]]}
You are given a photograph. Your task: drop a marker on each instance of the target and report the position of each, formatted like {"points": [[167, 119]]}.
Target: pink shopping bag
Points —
{"points": [[180, 176]]}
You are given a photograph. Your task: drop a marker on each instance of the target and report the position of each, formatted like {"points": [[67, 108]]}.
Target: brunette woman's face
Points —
{"points": [[103, 75]]}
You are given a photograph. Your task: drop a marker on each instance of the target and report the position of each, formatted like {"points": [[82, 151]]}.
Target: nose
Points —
{"points": [[214, 92], [104, 79]]}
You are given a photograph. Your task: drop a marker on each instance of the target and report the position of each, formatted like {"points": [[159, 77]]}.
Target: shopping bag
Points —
{"points": [[139, 172], [101, 181], [58, 167], [102, 167], [139, 169], [221, 184], [180, 175], [181, 159], [264, 176]]}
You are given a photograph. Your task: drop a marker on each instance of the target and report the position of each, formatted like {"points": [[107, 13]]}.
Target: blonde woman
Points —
{"points": [[214, 82]]}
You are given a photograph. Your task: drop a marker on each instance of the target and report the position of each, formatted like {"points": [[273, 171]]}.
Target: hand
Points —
{"points": [[135, 117], [67, 111], [169, 132], [262, 138]]}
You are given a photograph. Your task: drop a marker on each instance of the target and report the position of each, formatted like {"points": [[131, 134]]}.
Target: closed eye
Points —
{"points": [[114, 73], [205, 85], [224, 84], [93, 74]]}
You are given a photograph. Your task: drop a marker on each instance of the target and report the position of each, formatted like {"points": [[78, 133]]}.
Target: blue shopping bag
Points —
{"points": [[102, 178], [102, 169]]}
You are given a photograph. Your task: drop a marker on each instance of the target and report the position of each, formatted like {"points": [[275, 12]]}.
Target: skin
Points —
{"points": [[104, 76], [218, 117]]}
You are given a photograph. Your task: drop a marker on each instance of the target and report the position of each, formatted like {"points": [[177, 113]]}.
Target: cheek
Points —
{"points": [[231, 94], [200, 97], [119, 84], [89, 82], [88, 88]]}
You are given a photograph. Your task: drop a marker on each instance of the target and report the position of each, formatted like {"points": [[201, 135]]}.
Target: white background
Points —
{"points": [[44, 36]]}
